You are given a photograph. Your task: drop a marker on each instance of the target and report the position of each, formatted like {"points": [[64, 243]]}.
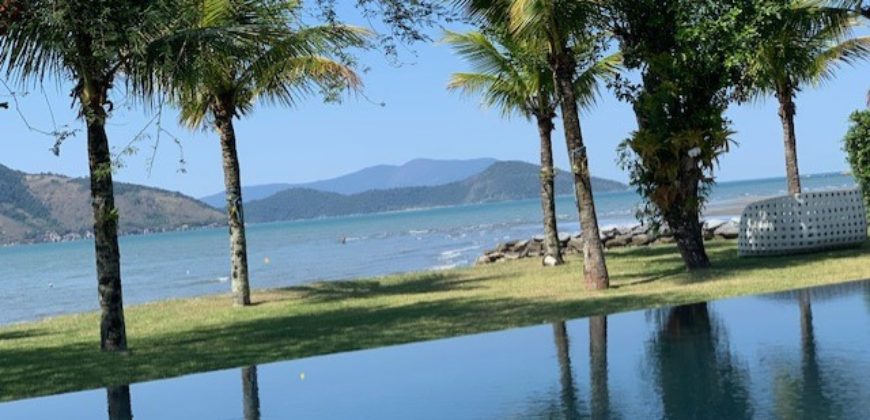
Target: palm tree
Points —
{"points": [[513, 75], [96, 44], [217, 87], [73, 39], [564, 28], [804, 46]]}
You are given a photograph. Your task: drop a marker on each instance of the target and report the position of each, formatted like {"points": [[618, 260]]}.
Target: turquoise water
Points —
{"points": [[798, 355], [193, 263]]}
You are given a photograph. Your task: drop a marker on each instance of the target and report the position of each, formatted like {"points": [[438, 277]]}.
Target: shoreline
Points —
{"points": [[183, 336]]}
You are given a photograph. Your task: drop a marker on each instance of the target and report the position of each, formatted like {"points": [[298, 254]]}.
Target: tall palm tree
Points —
{"points": [[564, 27], [512, 74], [96, 44], [804, 46], [92, 44], [215, 88]]}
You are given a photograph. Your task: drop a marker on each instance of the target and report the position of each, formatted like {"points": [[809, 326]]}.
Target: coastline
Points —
{"points": [[177, 337]]}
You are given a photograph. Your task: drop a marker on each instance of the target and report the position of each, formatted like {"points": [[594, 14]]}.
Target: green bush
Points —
{"points": [[857, 146]]}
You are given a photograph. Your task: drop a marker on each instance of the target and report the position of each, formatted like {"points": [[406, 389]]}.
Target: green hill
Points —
{"points": [[47, 207], [502, 181]]}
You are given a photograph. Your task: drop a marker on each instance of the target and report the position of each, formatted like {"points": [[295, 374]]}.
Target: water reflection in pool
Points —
{"points": [[794, 355]]}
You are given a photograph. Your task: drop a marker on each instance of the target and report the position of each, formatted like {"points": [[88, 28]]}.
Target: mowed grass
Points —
{"points": [[186, 336]]}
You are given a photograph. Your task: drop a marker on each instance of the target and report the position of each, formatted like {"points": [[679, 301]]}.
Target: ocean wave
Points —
{"points": [[444, 267], [452, 254]]}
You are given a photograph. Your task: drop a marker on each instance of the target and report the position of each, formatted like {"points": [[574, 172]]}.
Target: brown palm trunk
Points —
{"points": [[786, 115], [224, 113], [600, 398], [548, 191], [594, 265], [113, 334], [119, 404], [250, 393]]}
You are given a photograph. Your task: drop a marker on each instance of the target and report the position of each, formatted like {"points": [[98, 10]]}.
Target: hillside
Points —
{"points": [[45, 207], [416, 173], [500, 182]]}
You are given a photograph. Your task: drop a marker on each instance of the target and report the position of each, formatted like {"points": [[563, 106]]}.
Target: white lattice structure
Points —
{"points": [[802, 223]]}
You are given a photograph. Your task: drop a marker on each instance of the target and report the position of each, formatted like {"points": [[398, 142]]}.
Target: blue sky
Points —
{"points": [[420, 119]]}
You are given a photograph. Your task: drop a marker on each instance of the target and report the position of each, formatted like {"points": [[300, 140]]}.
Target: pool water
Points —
{"points": [[796, 355]]}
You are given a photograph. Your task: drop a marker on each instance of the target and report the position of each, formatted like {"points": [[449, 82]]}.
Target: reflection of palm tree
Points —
{"points": [[867, 294], [696, 376], [118, 398], [251, 393], [805, 397], [600, 399], [566, 376]]}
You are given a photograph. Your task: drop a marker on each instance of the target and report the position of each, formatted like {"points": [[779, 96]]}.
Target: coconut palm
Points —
{"points": [[216, 87], [95, 45], [805, 45], [513, 75], [564, 27]]}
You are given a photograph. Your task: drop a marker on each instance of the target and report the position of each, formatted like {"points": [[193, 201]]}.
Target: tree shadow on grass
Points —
{"points": [[281, 337], [21, 334], [724, 259], [427, 283]]}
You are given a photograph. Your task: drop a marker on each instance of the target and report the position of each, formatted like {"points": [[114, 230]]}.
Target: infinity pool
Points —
{"points": [[803, 354]]}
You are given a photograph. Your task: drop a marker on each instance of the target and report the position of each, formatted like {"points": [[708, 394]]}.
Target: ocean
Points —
{"points": [[43, 280]]}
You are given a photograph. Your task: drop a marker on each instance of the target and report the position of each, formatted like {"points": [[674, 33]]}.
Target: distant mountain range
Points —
{"points": [[499, 181], [416, 173], [46, 207]]}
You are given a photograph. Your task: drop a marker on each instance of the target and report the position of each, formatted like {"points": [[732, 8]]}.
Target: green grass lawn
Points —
{"points": [[185, 336]]}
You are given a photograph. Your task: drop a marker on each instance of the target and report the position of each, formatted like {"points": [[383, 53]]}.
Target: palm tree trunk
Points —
{"points": [[786, 115], [548, 193], [224, 114], [113, 334], [594, 265]]}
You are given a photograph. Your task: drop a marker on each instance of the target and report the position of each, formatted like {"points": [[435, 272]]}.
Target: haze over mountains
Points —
{"points": [[415, 173], [500, 181], [47, 207]]}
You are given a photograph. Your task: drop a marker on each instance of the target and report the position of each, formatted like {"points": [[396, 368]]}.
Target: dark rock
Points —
{"points": [[575, 245], [730, 230], [641, 239], [618, 241]]}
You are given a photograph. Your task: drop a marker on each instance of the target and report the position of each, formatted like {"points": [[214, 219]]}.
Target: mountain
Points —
{"points": [[254, 192], [501, 181], [416, 173], [47, 207]]}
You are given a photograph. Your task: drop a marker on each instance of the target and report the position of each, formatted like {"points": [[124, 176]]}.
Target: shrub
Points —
{"points": [[857, 146]]}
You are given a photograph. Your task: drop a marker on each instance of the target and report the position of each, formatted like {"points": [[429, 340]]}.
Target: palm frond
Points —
{"points": [[587, 84]]}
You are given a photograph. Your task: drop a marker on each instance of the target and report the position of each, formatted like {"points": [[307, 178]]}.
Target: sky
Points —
{"points": [[419, 119]]}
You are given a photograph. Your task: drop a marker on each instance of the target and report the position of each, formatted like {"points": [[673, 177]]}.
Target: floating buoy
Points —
{"points": [[266, 261]]}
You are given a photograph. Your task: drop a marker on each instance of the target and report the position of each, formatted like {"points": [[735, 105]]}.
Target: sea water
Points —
{"points": [[193, 263]]}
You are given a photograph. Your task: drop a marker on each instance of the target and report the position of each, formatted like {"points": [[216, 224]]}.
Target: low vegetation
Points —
{"points": [[857, 147], [186, 336]]}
